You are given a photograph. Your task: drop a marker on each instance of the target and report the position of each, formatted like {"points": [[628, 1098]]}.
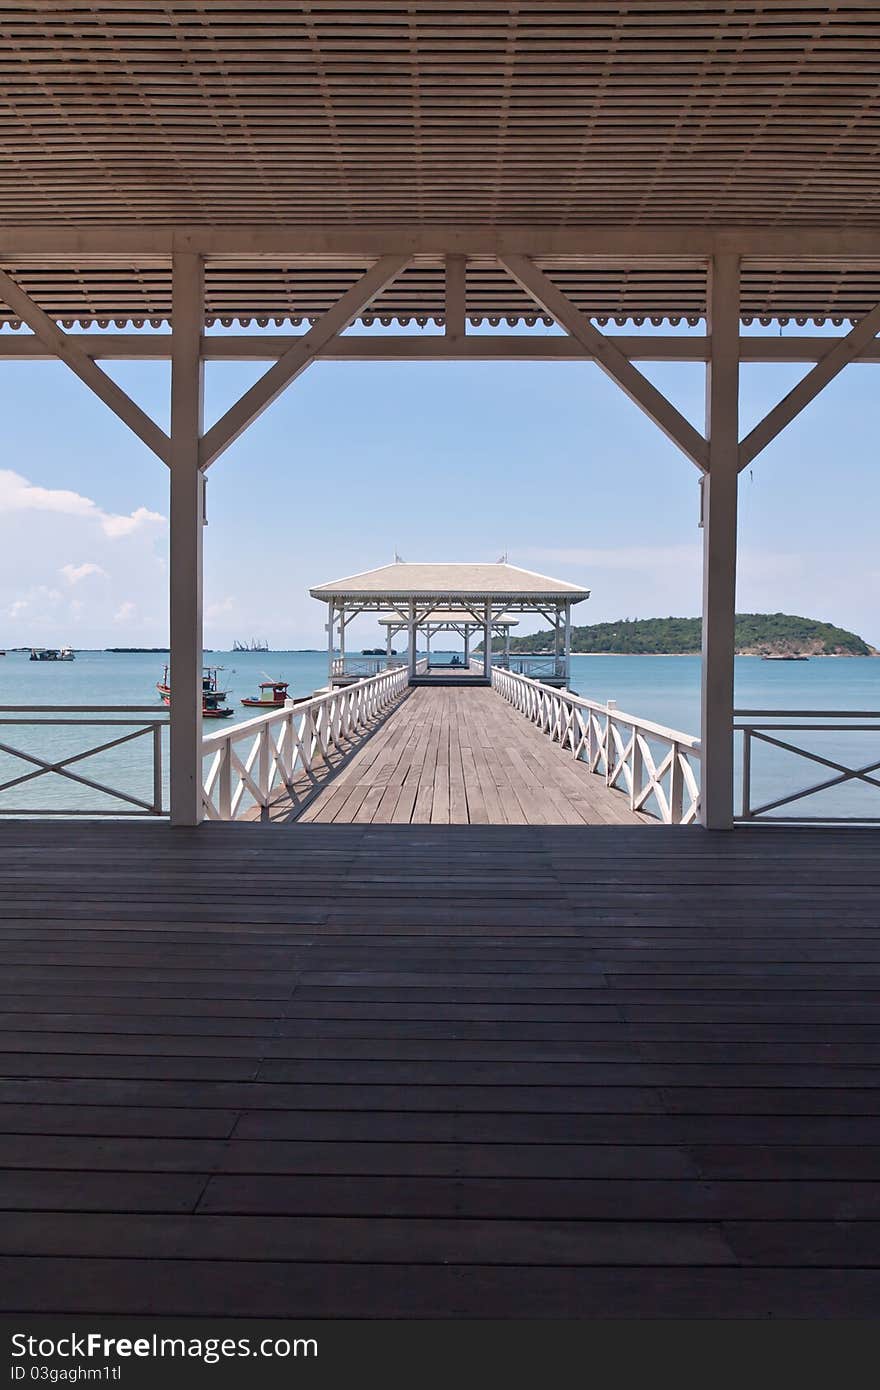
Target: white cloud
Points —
{"points": [[74, 571], [221, 609], [634, 581], [74, 574], [116, 526], [19, 495], [624, 557]]}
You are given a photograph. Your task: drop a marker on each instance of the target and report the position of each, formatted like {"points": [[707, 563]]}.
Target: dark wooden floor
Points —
{"points": [[440, 1070]]}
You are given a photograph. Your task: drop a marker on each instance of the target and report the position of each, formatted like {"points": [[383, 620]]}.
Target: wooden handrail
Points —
{"points": [[290, 741], [614, 744], [55, 716]]}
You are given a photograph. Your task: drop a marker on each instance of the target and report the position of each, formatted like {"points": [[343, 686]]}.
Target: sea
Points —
{"points": [[663, 689]]}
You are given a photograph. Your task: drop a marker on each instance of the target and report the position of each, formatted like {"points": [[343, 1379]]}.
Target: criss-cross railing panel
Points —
{"points": [[655, 767], [785, 733], [249, 764], [120, 727]]}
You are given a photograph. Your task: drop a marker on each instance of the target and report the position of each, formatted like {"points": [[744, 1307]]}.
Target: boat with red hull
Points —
{"points": [[272, 696], [212, 696]]}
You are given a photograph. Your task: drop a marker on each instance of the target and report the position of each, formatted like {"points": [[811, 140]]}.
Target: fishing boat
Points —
{"points": [[43, 654], [67, 654], [272, 695], [212, 696], [784, 657]]}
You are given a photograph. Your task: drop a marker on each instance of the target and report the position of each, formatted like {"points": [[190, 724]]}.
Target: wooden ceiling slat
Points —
{"points": [[555, 113]]}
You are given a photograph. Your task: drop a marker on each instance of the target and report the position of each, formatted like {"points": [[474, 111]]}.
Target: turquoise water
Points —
{"points": [[663, 689]]}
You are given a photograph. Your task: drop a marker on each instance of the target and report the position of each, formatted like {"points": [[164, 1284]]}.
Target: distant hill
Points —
{"points": [[757, 634]]}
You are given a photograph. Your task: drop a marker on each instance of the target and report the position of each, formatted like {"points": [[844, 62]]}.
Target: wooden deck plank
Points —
{"points": [[461, 755], [371, 1068]]}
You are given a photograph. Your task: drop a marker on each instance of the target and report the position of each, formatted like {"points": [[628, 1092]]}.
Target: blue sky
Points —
{"points": [[443, 461]]}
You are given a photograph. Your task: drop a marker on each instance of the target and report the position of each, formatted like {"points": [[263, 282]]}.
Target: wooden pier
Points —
{"points": [[457, 755], [439, 1071]]}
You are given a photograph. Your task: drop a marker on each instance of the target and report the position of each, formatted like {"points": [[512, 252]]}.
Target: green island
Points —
{"points": [[757, 634]]}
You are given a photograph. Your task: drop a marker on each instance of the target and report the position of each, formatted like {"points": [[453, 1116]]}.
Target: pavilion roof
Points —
{"points": [[450, 583], [343, 118]]}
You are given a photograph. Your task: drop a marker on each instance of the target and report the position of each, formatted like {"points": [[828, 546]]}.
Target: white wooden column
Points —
{"points": [[507, 646], [187, 518], [467, 646], [331, 622], [487, 644], [411, 629], [719, 504], [568, 645]]}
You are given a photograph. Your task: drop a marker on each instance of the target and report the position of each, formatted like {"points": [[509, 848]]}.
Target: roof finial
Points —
{"points": [[502, 559], [398, 559]]}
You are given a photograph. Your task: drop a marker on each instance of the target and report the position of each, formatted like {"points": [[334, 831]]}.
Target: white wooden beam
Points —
{"points": [[838, 244], [719, 546], [187, 511], [67, 349], [611, 360], [389, 347], [456, 303], [297, 357], [844, 351]]}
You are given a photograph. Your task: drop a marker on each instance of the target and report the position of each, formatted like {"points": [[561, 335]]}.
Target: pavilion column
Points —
{"points": [[467, 646], [487, 644], [388, 636], [331, 623], [507, 647], [719, 508], [411, 632], [187, 518], [567, 646]]}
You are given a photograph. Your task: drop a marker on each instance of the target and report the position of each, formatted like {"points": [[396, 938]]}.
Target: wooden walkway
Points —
{"points": [[439, 1071], [459, 756]]}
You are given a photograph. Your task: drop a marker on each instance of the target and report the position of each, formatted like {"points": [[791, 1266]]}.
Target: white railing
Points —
{"points": [[772, 729], [656, 767], [358, 667], [56, 760], [252, 762], [535, 667]]}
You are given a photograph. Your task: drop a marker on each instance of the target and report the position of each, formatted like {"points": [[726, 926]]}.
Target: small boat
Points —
{"points": [[67, 654], [43, 654], [212, 706], [785, 658], [272, 696]]}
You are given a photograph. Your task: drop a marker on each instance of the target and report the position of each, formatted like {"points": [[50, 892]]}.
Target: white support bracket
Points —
{"points": [[299, 356], [65, 347], [838, 356], [609, 357]]}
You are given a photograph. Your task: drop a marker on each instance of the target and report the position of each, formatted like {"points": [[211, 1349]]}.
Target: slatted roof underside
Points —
{"points": [[343, 112], [565, 112], [267, 293]]}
